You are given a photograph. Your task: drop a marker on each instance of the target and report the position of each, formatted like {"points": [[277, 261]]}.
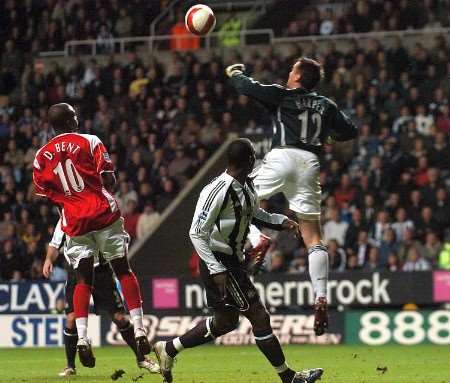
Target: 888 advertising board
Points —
{"points": [[408, 328]]}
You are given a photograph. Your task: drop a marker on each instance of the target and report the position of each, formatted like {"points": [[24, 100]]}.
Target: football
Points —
{"points": [[200, 20]]}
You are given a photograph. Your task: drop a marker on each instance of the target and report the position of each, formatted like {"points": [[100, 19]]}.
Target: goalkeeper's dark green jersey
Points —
{"points": [[300, 118]]}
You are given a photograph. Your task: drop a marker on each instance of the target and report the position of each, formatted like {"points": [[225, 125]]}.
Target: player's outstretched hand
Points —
{"points": [[234, 69], [220, 281], [47, 270], [289, 224]]}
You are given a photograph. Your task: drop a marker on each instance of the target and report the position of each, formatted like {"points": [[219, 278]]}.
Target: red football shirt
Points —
{"points": [[67, 170]]}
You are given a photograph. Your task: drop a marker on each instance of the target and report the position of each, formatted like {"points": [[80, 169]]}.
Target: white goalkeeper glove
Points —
{"points": [[234, 69]]}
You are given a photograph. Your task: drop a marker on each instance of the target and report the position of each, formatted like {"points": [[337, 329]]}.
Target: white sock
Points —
{"points": [[81, 327], [177, 344], [136, 317], [254, 235], [318, 269]]}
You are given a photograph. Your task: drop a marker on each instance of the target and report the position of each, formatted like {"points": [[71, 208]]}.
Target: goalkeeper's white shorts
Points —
{"points": [[296, 174]]}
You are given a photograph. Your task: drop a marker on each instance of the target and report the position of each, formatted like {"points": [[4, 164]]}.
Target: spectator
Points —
{"points": [[105, 42], [124, 23], [408, 241], [11, 263], [432, 248], [352, 263], [362, 248], [181, 39], [335, 228], [180, 167], [388, 245], [125, 194], [441, 211], [415, 262], [345, 193], [373, 261], [402, 223], [337, 256], [380, 225], [426, 223], [393, 263], [148, 220], [131, 217], [444, 256], [356, 225], [276, 264]]}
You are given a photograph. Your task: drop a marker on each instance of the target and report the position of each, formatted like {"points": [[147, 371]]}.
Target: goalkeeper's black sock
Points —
{"points": [[70, 345], [269, 345], [197, 336], [127, 334]]}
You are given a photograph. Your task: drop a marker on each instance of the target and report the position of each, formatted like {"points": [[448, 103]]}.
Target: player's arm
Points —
{"points": [[343, 128], [272, 221], [103, 165], [38, 183], [109, 180], [267, 94], [53, 250], [206, 212]]}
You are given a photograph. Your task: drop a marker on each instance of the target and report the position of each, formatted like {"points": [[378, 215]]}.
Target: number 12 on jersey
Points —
{"points": [[71, 174], [310, 127]]}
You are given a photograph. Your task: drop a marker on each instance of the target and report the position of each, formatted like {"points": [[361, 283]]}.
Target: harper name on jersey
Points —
{"points": [[67, 171], [300, 118]]}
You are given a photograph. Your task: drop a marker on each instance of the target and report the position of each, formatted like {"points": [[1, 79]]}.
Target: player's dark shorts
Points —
{"points": [[105, 294], [241, 292]]}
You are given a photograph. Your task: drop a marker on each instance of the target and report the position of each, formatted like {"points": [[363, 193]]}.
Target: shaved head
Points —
{"points": [[241, 154], [62, 118]]}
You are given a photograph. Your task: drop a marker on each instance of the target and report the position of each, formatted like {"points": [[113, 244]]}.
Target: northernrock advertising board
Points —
{"points": [[284, 291], [173, 305]]}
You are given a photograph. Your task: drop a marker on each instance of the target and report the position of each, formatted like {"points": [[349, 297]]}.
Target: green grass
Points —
{"points": [[209, 364]]}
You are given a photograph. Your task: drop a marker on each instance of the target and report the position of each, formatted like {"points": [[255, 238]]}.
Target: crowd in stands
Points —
{"points": [[160, 124], [36, 26], [387, 208], [335, 17]]}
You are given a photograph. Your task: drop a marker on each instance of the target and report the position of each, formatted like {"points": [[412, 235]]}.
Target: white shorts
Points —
{"points": [[112, 242], [296, 174]]}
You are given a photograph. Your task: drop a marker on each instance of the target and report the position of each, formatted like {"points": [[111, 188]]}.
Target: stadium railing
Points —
{"points": [[168, 12], [359, 36], [152, 43], [94, 47]]}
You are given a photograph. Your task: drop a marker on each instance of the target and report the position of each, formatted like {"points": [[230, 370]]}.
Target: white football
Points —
{"points": [[200, 19]]}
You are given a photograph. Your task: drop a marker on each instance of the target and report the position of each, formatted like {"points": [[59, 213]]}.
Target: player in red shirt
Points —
{"points": [[74, 172]]}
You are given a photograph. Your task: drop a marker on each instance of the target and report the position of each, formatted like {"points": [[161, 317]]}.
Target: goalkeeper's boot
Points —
{"points": [[165, 361], [142, 343], [320, 316], [308, 376], [150, 365], [85, 353], [68, 371]]}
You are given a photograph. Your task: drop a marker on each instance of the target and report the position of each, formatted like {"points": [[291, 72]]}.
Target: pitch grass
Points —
{"points": [[209, 364]]}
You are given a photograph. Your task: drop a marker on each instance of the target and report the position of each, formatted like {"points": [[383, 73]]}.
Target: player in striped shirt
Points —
{"points": [[224, 212]]}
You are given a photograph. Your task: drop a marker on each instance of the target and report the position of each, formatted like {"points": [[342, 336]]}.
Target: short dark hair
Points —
{"points": [[310, 71], [58, 114], [240, 152]]}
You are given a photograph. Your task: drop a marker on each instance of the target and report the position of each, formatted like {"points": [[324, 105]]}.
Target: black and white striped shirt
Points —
{"points": [[224, 212]]}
